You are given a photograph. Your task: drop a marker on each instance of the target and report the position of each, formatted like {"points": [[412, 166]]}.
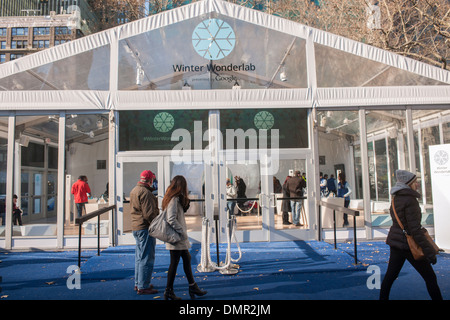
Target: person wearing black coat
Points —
{"points": [[405, 195], [286, 204]]}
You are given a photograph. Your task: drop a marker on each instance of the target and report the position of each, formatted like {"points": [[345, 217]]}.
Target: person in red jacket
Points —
{"points": [[80, 190]]}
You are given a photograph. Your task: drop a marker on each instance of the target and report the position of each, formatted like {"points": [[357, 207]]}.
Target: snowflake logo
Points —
{"points": [[441, 157], [213, 39], [163, 122], [264, 120]]}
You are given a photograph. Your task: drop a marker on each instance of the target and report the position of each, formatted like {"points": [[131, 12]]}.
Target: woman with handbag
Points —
{"points": [[406, 207], [175, 204]]}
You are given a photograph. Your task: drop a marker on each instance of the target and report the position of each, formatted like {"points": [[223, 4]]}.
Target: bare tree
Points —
{"points": [[116, 12], [418, 29]]}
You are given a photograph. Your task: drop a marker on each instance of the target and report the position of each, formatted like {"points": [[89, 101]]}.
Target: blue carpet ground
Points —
{"points": [[296, 270]]}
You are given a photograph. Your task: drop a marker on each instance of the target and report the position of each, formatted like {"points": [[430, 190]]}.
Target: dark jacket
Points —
{"points": [[409, 213], [143, 207], [295, 187], [285, 204]]}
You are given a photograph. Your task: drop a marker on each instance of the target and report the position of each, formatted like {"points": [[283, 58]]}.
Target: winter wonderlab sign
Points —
{"points": [[440, 179]]}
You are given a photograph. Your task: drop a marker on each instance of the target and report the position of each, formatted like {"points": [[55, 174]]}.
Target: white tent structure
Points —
{"points": [[217, 57]]}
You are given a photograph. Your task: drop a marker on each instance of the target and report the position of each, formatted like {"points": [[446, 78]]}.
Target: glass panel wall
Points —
{"points": [[85, 71], [246, 179], [3, 170], [194, 172], [339, 153], [250, 134], [162, 130], [37, 165], [87, 144], [286, 168], [430, 128], [385, 141], [212, 51]]}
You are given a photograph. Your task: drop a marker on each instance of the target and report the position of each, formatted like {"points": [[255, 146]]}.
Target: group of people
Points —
{"points": [[144, 208], [293, 188], [236, 191], [341, 189]]}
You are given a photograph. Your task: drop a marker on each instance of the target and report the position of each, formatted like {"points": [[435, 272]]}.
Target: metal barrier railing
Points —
{"points": [[87, 217], [348, 211]]}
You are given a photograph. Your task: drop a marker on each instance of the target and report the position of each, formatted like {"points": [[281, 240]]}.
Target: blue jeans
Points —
{"points": [[144, 258], [296, 207], [80, 208], [230, 206]]}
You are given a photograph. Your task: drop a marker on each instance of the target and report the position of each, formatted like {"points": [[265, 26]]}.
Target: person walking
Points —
{"points": [[344, 191], [405, 195], [144, 208], [175, 204], [81, 190], [295, 187]]}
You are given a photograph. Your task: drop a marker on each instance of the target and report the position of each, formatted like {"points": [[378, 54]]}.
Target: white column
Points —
{"points": [[61, 201]]}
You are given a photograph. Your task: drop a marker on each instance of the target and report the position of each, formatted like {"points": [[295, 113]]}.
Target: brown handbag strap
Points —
{"points": [[396, 216]]}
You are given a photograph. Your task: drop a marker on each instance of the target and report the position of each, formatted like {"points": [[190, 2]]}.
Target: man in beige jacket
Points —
{"points": [[144, 208]]}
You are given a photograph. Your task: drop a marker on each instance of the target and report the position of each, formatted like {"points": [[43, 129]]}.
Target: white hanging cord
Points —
{"points": [[206, 265], [233, 230], [253, 205]]}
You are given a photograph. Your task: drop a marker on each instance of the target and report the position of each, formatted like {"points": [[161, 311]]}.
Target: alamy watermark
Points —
{"points": [[238, 139], [74, 280], [374, 280]]}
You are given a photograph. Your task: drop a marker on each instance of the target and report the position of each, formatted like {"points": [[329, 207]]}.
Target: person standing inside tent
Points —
{"points": [[405, 195], [17, 213], [175, 204], [285, 203], [344, 191], [295, 186], [331, 185], [143, 209], [241, 188], [231, 194], [81, 191]]}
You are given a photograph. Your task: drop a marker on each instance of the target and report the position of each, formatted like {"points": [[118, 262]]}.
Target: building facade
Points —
{"points": [[29, 26], [193, 91]]}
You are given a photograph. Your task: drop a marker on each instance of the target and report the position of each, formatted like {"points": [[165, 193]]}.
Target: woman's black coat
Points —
{"points": [[409, 213], [285, 204]]}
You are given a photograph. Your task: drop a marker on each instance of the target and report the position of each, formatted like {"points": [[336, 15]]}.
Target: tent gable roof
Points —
{"points": [[157, 52]]}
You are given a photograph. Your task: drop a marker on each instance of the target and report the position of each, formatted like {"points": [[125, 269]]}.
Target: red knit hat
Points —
{"points": [[147, 175]]}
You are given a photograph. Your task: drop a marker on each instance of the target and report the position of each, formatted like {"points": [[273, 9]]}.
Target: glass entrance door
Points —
{"points": [[129, 169], [281, 220], [259, 198], [198, 184], [128, 173]]}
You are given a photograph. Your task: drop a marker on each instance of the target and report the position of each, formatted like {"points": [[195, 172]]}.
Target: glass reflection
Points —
{"points": [[36, 190], [87, 137], [339, 152], [385, 143], [166, 59]]}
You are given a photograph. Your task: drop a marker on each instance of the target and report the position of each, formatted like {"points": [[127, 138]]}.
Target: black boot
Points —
{"points": [[170, 295], [195, 290]]}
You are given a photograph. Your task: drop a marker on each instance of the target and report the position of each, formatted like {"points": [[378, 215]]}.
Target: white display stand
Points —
{"points": [[440, 180], [327, 213]]}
